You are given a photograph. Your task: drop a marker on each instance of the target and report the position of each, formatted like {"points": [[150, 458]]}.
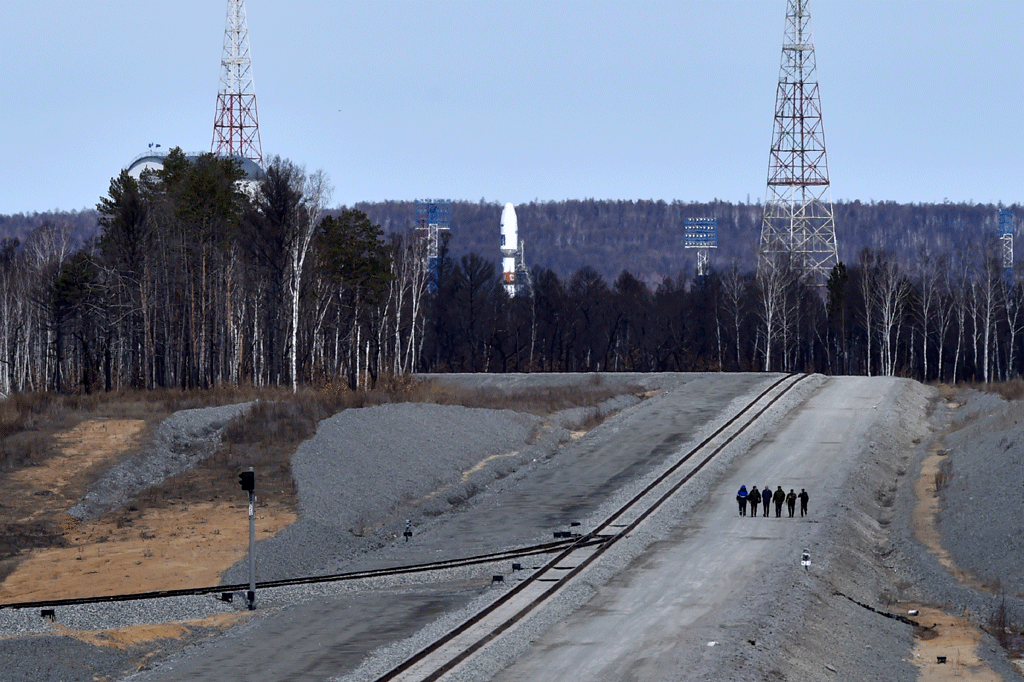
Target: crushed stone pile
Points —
{"points": [[180, 442]]}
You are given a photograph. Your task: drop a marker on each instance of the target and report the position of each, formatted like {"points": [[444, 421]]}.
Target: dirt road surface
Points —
{"points": [[659, 619]]}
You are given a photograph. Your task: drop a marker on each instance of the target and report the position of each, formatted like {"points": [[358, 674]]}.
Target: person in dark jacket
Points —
{"points": [[741, 497], [778, 498], [791, 502], [803, 501], [766, 497], [753, 499]]}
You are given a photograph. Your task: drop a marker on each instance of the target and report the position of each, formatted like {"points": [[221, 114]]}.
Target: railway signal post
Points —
{"points": [[247, 479]]}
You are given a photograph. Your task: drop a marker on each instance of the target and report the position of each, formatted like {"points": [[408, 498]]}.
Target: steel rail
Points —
{"points": [[532, 550], [650, 506]]}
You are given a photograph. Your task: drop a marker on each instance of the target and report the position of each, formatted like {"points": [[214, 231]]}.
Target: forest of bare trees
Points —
{"points": [[195, 279]]}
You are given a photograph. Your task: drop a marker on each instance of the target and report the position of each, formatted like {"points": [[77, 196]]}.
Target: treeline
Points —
{"points": [[957, 317], [81, 226], [645, 237], [197, 278]]}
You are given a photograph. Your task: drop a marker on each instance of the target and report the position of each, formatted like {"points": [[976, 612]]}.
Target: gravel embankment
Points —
{"points": [[367, 471], [180, 442], [389, 462], [980, 516], [978, 520]]}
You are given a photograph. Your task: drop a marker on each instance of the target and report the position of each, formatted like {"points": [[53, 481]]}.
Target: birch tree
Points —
{"points": [[772, 283], [292, 202], [889, 294], [733, 291]]}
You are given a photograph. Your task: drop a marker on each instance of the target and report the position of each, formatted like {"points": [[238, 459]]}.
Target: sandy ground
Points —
{"points": [[942, 634], [123, 638], [133, 550], [59, 483], [955, 639]]}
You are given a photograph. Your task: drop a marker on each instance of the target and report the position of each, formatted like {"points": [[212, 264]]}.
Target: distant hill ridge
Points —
{"points": [[645, 237]]}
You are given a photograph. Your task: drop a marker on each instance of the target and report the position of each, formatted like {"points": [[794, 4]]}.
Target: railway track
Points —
{"points": [[508, 555], [453, 649]]}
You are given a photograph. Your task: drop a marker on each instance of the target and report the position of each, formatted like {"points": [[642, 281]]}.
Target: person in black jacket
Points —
{"points": [[766, 497], [803, 501], [754, 499], [778, 498], [791, 502]]}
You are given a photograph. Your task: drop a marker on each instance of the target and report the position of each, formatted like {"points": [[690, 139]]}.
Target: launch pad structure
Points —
{"points": [[798, 227], [433, 216]]}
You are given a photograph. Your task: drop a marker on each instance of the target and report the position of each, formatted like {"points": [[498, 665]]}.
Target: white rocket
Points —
{"points": [[509, 247]]}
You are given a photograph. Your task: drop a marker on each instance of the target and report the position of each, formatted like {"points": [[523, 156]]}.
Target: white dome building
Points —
{"points": [[154, 161]]}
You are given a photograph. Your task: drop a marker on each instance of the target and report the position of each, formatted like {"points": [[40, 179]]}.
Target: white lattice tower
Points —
{"points": [[236, 129], [1006, 237], [798, 224]]}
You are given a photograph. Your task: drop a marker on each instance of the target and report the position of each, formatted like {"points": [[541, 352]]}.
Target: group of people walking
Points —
{"points": [[765, 497]]}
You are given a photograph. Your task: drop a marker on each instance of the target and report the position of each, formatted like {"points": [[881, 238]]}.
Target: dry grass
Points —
{"points": [[943, 476], [1009, 390], [999, 624]]}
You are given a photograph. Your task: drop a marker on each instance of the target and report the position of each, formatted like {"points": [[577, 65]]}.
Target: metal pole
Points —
{"points": [[252, 549]]}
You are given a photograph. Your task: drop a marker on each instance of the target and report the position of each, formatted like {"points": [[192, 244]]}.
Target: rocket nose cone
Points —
{"points": [[509, 228], [508, 218]]}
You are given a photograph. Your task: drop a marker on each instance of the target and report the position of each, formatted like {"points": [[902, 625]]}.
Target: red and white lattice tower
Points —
{"points": [[236, 128], [798, 225]]}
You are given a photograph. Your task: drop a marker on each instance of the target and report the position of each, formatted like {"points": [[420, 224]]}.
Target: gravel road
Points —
{"points": [[449, 469]]}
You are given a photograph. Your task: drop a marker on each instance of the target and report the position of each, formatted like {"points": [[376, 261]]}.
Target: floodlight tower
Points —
{"points": [[798, 223], [236, 129], [433, 216], [1006, 237], [701, 234]]}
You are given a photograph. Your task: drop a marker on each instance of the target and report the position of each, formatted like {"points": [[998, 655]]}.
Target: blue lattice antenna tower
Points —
{"points": [[433, 216], [798, 226], [236, 128], [1006, 237], [701, 234]]}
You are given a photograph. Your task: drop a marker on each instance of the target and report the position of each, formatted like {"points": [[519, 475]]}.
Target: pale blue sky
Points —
{"points": [[923, 100]]}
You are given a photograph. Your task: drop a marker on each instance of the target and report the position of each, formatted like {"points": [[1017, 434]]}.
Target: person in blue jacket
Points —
{"points": [[741, 497], [766, 497]]}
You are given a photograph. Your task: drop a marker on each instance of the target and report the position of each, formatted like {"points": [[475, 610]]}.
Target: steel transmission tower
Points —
{"points": [[236, 128], [798, 223]]}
